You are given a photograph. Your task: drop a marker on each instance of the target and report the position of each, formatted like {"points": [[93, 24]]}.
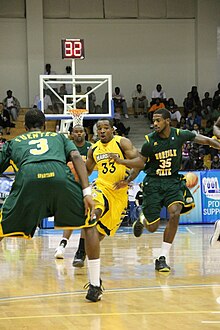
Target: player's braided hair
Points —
{"points": [[34, 118]]}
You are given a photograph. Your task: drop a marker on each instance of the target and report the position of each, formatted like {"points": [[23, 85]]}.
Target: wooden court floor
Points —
{"points": [[38, 292]]}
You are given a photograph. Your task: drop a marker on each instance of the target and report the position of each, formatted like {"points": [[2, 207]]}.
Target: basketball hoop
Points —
{"points": [[77, 115]]}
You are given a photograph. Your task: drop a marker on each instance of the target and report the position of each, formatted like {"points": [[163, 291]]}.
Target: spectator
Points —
{"points": [[5, 120], [187, 163], [196, 99], [48, 107], [105, 104], [139, 100], [2, 140], [81, 104], [158, 93], [174, 111], [68, 87], [121, 129], [53, 97], [189, 104], [215, 163], [92, 99], [192, 119], [119, 101], [207, 101], [196, 129], [183, 123], [12, 104], [216, 98], [158, 105]]}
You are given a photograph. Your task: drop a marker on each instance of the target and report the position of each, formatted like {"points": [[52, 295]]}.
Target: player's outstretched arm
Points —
{"points": [[216, 128], [201, 139]]}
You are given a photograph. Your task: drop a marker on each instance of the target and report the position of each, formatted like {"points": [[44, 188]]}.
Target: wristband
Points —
{"points": [[87, 191]]}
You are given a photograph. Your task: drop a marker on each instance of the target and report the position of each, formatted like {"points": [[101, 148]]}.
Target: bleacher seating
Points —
{"points": [[19, 125]]}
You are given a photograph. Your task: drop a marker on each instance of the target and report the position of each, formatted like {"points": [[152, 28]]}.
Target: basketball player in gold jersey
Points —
{"points": [[110, 204]]}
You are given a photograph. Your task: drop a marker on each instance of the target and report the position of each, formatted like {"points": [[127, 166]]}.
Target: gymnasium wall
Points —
{"points": [[167, 41]]}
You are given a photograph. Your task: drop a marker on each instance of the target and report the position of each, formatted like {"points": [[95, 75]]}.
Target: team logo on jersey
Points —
{"points": [[104, 156]]}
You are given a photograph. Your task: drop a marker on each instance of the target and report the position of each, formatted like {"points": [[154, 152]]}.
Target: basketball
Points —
{"points": [[191, 179]]}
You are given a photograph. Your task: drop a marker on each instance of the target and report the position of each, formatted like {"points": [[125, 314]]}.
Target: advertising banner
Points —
{"points": [[210, 194]]}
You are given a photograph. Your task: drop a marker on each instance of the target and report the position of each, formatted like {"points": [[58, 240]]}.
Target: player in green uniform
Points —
{"points": [[160, 158], [44, 186], [77, 135]]}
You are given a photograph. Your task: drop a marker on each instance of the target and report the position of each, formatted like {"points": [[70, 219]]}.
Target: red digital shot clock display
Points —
{"points": [[73, 48]]}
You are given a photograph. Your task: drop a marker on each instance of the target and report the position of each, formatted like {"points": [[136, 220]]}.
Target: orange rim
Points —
{"points": [[77, 112]]}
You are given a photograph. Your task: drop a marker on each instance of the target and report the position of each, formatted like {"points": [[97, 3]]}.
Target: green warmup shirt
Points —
{"points": [[84, 149]]}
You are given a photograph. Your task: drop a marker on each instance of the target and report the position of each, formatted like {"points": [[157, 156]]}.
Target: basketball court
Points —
{"points": [[40, 292]]}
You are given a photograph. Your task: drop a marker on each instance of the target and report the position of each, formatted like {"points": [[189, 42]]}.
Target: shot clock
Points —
{"points": [[73, 49]]}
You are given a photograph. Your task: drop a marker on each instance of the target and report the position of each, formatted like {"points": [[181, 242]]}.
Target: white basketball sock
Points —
{"points": [[94, 271], [165, 249]]}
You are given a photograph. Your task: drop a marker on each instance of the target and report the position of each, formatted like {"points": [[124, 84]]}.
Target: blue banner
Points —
{"points": [[210, 194]]}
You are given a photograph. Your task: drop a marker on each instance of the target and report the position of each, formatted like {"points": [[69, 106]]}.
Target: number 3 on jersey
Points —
{"points": [[108, 167], [41, 147]]}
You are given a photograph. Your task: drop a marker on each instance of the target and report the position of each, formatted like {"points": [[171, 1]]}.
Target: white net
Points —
{"points": [[77, 115]]}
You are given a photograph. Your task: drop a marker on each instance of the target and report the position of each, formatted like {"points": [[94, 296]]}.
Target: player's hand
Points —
{"points": [[115, 157], [89, 205], [120, 184]]}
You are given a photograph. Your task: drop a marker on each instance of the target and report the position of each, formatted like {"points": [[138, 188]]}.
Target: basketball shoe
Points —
{"points": [[79, 259], [60, 250], [94, 293], [161, 265], [215, 239], [138, 226]]}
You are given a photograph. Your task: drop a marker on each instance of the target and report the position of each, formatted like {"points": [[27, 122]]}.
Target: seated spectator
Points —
{"points": [[82, 103], [174, 111], [207, 101], [189, 104], [187, 163], [139, 100], [48, 107], [158, 93], [2, 140], [183, 123], [5, 120], [119, 101], [216, 98], [215, 113], [49, 72], [105, 104], [121, 129], [215, 164], [196, 129], [92, 100], [158, 105], [192, 119], [12, 104], [197, 153], [208, 129]]}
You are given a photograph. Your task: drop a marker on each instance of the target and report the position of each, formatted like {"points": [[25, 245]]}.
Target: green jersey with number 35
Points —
{"points": [[164, 156]]}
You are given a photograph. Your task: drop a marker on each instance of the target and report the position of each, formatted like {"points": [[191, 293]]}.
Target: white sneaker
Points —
{"points": [[59, 253], [126, 116], [215, 239]]}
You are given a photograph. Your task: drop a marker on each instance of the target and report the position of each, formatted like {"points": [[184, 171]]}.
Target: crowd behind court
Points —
{"points": [[197, 114]]}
